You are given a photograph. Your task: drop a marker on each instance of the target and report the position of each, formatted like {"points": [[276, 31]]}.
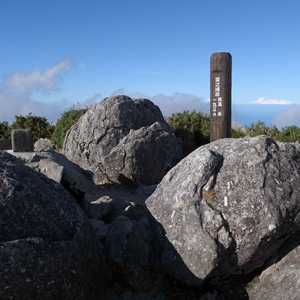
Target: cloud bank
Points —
{"points": [[280, 112], [289, 117], [18, 94], [90, 101], [169, 104], [16, 91], [264, 101], [37, 80]]}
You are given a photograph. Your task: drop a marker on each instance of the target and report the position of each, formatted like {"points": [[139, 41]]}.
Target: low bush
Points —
{"points": [[39, 126], [237, 131], [192, 127], [260, 128], [289, 134], [5, 130], [67, 120]]}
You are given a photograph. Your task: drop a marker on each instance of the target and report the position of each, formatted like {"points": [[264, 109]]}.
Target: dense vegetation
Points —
{"points": [[4, 130], [255, 129], [289, 134], [194, 130], [192, 127], [39, 126], [68, 118]]}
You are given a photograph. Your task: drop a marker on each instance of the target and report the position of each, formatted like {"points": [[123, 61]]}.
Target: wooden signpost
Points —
{"points": [[220, 95]]}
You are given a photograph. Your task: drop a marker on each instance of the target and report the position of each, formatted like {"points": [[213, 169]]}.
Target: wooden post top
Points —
{"points": [[220, 95]]}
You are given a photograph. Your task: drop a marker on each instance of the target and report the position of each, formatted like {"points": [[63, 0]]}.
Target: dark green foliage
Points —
{"points": [[5, 130], [68, 118], [39, 126], [226, 224], [289, 134], [192, 127], [237, 134], [260, 128]]}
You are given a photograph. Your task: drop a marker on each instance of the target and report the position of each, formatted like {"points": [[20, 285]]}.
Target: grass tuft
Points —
{"points": [[209, 196]]}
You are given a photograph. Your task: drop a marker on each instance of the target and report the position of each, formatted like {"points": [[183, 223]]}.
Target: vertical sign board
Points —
{"points": [[220, 95]]}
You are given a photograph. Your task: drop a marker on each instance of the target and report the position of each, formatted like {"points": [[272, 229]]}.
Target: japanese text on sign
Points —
{"points": [[217, 99]]}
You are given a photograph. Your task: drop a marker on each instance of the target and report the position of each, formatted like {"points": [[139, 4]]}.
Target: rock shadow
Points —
{"points": [[217, 284], [162, 265]]}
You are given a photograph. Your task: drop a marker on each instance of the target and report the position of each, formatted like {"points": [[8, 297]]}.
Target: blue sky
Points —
{"points": [[56, 53]]}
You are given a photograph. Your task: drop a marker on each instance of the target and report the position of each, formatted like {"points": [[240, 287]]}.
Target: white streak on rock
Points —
{"points": [[173, 213], [225, 201]]}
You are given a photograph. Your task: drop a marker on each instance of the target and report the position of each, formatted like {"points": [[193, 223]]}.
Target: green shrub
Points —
{"points": [[192, 127], [237, 134], [39, 126], [67, 120], [237, 131], [289, 134], [260, 128], [5, 130]]}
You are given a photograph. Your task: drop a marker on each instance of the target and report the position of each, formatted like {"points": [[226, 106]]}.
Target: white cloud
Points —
{"points": [[44, 81], [168, 104], [120, 91], [134, 95], [12, 105], [264, 101], [289, 117], [16, 91], [178, 102], [88, 102]]}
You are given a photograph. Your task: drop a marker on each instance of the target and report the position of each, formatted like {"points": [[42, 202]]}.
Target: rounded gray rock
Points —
{"points": [[43, 145], [48, 249], [117, 140], [226, 208]]}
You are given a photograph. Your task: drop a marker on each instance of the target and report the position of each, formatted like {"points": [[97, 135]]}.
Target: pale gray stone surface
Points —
{"points": [[113, 139], [226, 208], [58, 168], [43, 145]]}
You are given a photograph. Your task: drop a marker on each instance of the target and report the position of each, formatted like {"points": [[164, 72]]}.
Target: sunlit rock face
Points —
{"points": [[226, 208], [123, 140]]}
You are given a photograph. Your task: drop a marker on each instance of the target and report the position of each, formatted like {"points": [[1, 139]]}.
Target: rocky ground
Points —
{"points": [[223, 223]]}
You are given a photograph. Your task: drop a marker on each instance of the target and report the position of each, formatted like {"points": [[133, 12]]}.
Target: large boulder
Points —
{"points": [[123, 140], [226, 208], [142, 156], [48, 249]]}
